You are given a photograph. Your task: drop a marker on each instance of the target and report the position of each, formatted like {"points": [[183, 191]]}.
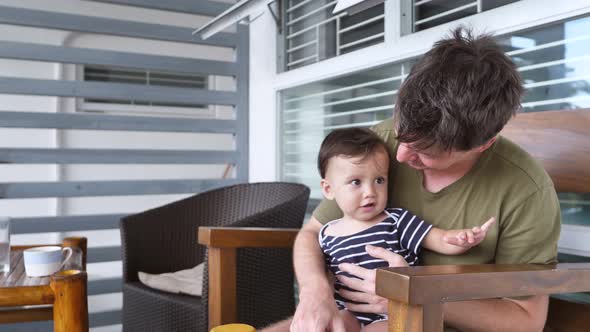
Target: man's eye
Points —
{"points": [[355, 182], [380, 180]]}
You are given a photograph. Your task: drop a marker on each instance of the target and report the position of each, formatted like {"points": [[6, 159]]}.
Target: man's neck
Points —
{"points": [[436, 180]]}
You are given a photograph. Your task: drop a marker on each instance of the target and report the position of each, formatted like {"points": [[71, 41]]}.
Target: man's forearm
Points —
{"points": [[497, 314], [317, 309], [308, 259]]}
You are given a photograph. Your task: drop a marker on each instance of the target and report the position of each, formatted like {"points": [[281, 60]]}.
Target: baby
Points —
{"points": [[354, 166]]}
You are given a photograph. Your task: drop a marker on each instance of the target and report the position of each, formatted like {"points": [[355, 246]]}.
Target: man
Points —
{"points": [[454, 171]]}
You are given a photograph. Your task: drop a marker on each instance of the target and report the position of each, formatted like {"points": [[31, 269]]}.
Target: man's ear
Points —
{"points": [[487, 145], [327, 189]]}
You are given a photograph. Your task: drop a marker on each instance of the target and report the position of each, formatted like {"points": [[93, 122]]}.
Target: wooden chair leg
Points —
{"points": [[222, 286], [414, 318], [70, 308]]}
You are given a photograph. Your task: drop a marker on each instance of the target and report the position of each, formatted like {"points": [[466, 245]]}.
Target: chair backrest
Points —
{"points": [[560, 140], [164, 239], [151, 240]]}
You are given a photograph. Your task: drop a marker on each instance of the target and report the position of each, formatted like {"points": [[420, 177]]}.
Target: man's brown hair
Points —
{"points": [[349, 142], [459, 95]]}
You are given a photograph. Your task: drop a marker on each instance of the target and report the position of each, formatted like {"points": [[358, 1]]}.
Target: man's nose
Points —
{"points": [[404, 153]]}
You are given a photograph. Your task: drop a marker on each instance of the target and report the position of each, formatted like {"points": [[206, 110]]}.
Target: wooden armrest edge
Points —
{"points": [[446, 283], [247, 237]]}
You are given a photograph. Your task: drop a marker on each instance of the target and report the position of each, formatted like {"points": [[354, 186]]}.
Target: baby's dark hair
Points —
{"points": [[349, 142]]}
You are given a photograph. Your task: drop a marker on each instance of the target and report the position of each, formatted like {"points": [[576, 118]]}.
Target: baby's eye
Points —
{"points": [[355, 182], [380, 180]]}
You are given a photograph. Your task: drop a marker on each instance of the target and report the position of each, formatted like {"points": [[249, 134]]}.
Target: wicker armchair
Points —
{"points": [[164, 239]]}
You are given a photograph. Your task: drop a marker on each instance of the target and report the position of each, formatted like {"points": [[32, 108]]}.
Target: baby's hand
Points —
{"points": [[468, 238]]}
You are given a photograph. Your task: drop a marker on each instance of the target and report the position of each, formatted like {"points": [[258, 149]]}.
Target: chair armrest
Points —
{"points": [[416, 294], [247, 237], [222, 244]]}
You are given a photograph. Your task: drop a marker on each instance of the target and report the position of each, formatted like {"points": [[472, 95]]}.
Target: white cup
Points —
{"points": [[44, 261]]}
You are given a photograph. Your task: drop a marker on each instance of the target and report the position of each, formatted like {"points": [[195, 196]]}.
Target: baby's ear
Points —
{"points": [[327, 189]]}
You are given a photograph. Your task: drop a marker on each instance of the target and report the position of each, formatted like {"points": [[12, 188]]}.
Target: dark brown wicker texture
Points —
{"points": [[164, 239]]}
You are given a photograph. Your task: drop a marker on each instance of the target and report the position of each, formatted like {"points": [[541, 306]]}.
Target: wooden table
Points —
{"points": [[64, 290]]}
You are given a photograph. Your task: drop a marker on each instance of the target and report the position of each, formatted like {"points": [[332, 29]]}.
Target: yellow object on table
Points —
{"points": [[233, 328]]}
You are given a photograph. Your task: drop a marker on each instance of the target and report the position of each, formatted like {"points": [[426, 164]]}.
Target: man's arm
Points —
{"points": [[498, 314], [317, 309]]}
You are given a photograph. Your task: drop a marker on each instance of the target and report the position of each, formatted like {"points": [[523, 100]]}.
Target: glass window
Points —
{"points": [[554, 62], [311, 33], [426, 14], [311, 111]]}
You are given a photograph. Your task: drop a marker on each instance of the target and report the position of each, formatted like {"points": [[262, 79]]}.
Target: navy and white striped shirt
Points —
{"points": [[401, 232]]}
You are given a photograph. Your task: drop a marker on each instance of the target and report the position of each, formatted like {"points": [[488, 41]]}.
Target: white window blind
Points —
{"points": [[554, 62], [311, 111], [144, 77]]}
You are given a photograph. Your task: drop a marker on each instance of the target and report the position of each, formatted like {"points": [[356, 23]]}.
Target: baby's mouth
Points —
{"points": [[368, 205]]}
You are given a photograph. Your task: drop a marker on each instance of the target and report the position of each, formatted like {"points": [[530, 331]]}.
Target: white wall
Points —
{"points": [[99, 139], [45, 138]]}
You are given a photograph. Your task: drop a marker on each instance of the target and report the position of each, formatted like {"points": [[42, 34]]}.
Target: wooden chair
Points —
{"points": [[559, 139], [65, 291], [163, 240], [222, 245]]}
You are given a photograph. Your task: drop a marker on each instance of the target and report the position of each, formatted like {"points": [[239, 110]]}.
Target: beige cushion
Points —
{"points": [[189, 281]]}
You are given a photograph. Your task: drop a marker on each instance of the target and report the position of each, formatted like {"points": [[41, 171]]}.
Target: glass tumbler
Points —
{"points": [[4, 244]]}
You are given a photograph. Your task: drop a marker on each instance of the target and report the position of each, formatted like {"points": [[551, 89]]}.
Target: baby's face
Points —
{"points": [[359, 185]]}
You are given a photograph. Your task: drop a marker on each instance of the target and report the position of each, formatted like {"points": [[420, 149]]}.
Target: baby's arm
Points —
{"points": [[456, 241]]}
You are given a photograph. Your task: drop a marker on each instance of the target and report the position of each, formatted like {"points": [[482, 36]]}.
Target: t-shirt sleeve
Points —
{"points": [[530, 232], [326, 211], [411, 230]]}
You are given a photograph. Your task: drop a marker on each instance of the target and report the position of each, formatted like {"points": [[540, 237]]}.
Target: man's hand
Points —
{"points": [[365, 288], [317, 312], [468, 238]]}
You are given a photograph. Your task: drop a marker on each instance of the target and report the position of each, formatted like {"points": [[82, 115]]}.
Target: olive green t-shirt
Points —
{"points": [[506, 183]]}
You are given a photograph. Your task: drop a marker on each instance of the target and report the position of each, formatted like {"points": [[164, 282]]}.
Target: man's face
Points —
{"points": [[430, 158]]}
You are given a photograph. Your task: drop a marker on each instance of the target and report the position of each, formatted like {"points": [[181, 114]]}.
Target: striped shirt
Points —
{"points": [[401, 232]]}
